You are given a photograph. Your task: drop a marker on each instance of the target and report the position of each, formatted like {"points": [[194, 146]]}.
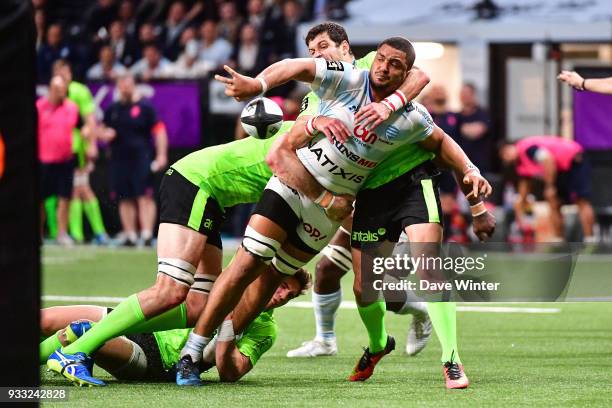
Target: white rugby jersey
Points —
{"points": [[343, 167]]}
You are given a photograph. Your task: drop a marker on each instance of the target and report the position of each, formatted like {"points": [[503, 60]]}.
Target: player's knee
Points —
{"points": [[229, 377], [260, 247], [175, 278], [48, 325]]}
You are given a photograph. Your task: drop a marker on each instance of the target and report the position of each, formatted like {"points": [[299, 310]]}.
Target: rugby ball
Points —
{"points": [[261, 118]]}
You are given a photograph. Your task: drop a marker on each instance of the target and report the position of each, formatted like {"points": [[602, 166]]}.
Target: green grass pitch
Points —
{"points": [[512, 359]]}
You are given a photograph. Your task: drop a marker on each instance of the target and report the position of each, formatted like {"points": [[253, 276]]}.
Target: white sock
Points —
{"points": [[412, 308], [194, 346], [326, 308], [146, 234], [131, 236]]}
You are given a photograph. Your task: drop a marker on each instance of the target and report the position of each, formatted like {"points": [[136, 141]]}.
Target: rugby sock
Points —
{"points": [[175, 318], [75, 220], [443, 317], [195, 346], [373, 317], [411, 307], [127, 314], [94, 216], [51, 211], [325, 309], [48, 346]]}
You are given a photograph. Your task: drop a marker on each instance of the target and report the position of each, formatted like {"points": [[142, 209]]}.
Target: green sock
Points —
{"points": [[175, 318], [94, 216], [75, 220], [443, 317], [373, 317], [48, 346], [51, 211], [127, 314]]}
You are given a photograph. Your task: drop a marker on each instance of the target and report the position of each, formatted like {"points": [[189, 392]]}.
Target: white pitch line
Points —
{"points": [[308, 305]]}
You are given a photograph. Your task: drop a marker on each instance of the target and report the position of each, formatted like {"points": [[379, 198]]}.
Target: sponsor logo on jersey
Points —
{"points": [[365, 135], [368, 236], [334, 66], [392, 132], [333, 168]]}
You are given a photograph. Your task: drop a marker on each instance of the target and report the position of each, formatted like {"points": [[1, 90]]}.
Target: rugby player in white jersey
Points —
{"points": [[286, 216]]}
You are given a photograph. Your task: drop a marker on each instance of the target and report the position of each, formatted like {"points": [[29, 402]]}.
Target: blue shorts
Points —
{"points": [[132, 178], [575, 183], [56, 179]]}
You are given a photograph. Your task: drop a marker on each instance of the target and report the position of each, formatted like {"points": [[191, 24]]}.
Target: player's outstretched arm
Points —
{"points": [[469, 179], [573, 79], [242, 87], [373, 114]]}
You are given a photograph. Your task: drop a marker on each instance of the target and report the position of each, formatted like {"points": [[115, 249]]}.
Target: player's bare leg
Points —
{"points": [[327, 294]]}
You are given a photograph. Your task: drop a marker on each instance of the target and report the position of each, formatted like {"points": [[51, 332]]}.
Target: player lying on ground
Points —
{"points": [[304, 219], [193, 194], [152, 356]]}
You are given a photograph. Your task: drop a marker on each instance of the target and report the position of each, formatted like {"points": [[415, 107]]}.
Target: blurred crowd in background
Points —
{"points": [[127, 42]]}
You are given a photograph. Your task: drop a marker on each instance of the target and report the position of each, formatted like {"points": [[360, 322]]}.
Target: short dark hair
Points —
{"points": [[402, 44], [304, 279], [336, 33]]}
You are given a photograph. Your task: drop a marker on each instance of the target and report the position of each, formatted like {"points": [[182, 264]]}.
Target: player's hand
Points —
{"points": [[484, 226], [159, 164], [341, 208], [92, 151], [238, 86], [571, 78], [480, 185], [331, 128], [372, 115]]}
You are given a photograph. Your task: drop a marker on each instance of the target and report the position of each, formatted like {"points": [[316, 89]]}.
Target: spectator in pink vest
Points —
{"points": [[566, 174], [57, 118]]}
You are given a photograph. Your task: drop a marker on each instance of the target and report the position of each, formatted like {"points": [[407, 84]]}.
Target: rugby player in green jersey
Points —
{"points": [[338, 168], [85, 148], [193, 194], [152, 356]]}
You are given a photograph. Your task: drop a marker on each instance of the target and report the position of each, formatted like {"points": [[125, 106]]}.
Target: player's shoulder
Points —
{"points": [[414, 112], [79, 88]]}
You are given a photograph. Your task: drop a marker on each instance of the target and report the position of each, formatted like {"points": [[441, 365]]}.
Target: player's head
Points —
{"points": [[329, 40], [57, 90], [62, 68], [394, 59], [508, 153], [126, 86], [468, 95], [291, 287]]}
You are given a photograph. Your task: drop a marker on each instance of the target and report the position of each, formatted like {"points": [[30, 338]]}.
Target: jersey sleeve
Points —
{"points": [[84, 100], [334, 77], [310, 105], [423, 121], [257, 339]]}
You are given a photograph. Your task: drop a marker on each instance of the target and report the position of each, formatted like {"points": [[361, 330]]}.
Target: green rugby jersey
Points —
{"points": [[81, 96], [400, 161], [233, 173], [258, 337]]}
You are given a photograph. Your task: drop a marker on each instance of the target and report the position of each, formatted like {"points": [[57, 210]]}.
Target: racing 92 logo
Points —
{"points": [[313, 232], [364, 134]]}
